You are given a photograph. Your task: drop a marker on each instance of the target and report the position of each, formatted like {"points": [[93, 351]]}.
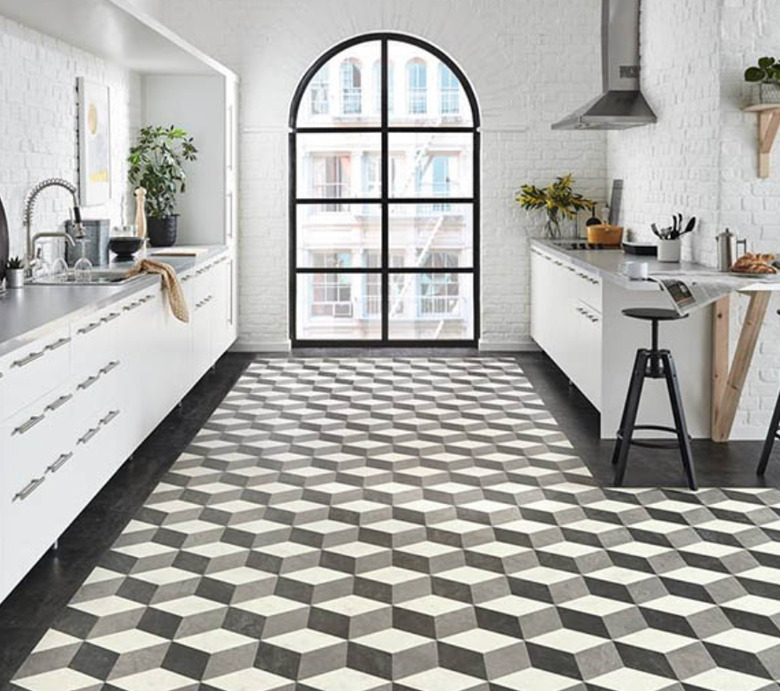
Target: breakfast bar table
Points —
{"points": [[714, 378]]}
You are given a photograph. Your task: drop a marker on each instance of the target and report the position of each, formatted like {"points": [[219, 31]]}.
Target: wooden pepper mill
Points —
{"points": [[140, 211]]}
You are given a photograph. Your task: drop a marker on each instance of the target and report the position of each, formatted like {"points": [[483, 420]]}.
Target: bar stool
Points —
{"points": [[772, 434], [653, 364]]}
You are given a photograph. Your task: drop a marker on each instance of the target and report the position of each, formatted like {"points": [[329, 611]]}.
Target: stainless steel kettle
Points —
{"points": [[728, 249]]}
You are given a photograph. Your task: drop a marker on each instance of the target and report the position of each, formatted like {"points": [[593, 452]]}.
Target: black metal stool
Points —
{"points": [[653, 364], [772, 434]]}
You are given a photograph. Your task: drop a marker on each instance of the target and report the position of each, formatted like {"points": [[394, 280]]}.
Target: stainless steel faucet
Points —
{"points": [[29, 206]]}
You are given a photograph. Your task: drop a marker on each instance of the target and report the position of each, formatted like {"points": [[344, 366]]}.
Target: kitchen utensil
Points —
{"points": [[3, 241], [605, 234], [593, 220], [689, 228], [669, 250], [728, 249], [655, 230], [647, 249]]}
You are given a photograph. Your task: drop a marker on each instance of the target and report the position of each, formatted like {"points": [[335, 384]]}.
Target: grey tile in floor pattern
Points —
{"points": [[416, 523]]}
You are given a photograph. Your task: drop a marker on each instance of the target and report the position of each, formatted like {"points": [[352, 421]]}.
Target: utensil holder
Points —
{"points": [[14, 278], [669, 250]]}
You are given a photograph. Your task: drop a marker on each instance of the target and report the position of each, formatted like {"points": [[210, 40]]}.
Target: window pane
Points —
{"points": [[431, 164], [426, 92], [421, 234], [338, 166], [435, 306], [342, 91], [338, 235], [339, 307]]}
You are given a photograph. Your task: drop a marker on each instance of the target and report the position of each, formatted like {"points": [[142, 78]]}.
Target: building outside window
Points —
{"points": [[449, 91], [351, 92], [319, 92], [417, 87], [348, 219]]}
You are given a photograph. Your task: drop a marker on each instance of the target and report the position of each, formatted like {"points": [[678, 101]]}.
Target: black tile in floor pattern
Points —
{"points": [[325, 529]]}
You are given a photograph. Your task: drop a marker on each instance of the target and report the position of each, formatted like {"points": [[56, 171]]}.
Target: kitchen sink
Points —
{"points": [[97, 277]]}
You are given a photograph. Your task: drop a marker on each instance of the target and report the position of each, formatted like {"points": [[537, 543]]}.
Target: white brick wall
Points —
{"points": [[38, 125], [530, 63], [700, 159]]}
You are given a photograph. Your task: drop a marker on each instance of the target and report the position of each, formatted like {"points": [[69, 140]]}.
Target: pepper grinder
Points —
{"points": [[140, 211]]}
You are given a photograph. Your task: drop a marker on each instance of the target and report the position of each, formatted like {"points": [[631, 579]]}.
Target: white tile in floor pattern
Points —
{"points": [[417, 524]]}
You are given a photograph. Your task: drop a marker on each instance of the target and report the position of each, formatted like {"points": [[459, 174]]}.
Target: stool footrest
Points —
{"points": [[655, 443]]}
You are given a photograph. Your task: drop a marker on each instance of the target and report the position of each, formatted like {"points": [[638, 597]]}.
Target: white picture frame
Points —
{"points": [[94, 122]]}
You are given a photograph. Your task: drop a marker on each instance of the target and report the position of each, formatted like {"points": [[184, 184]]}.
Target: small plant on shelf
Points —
{"points": [[766, 75], [14, 274], [558, 199]]}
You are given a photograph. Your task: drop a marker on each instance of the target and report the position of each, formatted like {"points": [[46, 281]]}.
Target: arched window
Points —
{"points": [[384, 203], [350, 87], [417, 87], [319, 92], [449, 92], [378, 86]]}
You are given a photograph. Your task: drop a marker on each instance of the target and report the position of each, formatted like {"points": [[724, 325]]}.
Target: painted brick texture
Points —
{"points": [[529, 62], [38, 125]]}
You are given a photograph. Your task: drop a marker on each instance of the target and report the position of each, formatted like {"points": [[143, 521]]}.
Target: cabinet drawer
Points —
{"points": [[588, 288], [97, 389], [95, 338], [35, 370]]}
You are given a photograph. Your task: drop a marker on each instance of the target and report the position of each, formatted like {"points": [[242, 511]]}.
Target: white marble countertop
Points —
{"points": [[29, 313], [608, 264]]}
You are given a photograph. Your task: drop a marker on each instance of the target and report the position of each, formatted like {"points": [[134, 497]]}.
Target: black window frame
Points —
{"points": [[385, 270]]}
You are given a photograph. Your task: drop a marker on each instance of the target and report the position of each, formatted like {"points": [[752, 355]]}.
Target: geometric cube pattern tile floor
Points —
{"points": [[417, 524]]}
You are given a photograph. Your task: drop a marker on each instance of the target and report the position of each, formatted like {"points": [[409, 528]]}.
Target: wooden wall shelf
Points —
{"points": [[768, 124]]}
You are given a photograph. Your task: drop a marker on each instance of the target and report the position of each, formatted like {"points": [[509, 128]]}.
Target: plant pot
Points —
{"points": [[766, 93], [669, 250], [162, 231], [14, 278]]}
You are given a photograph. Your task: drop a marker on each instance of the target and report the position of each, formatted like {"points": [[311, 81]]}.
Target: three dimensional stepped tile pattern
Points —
{"points": [[416, 524]]}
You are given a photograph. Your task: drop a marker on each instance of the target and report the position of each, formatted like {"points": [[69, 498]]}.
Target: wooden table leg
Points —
{"points": [[720, 355], [726, 397]]}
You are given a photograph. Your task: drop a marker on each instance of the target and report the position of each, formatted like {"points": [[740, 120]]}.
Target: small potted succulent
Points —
{"points": [[766, 75], [558, 200], [157, 164], [14, 272]]}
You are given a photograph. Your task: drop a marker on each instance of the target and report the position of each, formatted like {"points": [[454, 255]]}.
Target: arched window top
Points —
{"points": [[431, 89]]}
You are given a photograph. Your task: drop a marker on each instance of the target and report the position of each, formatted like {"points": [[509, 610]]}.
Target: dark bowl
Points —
{"points": [[124, 247]]}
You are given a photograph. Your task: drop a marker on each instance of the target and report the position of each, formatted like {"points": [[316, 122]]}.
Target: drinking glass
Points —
{"points": [[83, 270]]}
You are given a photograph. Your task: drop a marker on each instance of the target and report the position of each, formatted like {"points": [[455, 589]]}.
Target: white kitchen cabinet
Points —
{"points": [[77, 402], [566, 319], [577, 319]]}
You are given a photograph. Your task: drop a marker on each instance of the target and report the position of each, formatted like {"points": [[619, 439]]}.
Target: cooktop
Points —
{"points": [[584, 245]]}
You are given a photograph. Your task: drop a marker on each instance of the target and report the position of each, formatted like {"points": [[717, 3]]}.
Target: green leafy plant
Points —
{"points": [[558, 199], [766, 72], [157, 164], [14, 263]]}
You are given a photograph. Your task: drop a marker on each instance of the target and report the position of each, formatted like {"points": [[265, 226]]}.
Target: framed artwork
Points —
{"points": [[94, 142]]}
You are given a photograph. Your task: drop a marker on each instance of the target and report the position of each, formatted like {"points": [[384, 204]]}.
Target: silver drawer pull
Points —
{"points": [[146, 298], [132, 306], [88, 382], [61, 461], [32, 357], [27, 491], [110, 317], [108, 418], [61, 401], [89, 327], [90, 433], [57, 344], [27, 426], [110, 367]]}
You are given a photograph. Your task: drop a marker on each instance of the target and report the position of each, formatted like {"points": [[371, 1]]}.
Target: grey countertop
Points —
{"points": [[608, 263], [31, 312]]}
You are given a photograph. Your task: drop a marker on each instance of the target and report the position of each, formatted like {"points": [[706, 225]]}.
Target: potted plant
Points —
{"points": [[766, 74], [157, 165], [558, 199], [14, 272]]}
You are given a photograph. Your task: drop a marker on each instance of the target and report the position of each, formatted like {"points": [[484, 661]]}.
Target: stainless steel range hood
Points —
{"points": [[622, 104]]}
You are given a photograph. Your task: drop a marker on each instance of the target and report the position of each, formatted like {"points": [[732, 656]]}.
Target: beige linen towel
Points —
{"points": [[171, 285]]}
